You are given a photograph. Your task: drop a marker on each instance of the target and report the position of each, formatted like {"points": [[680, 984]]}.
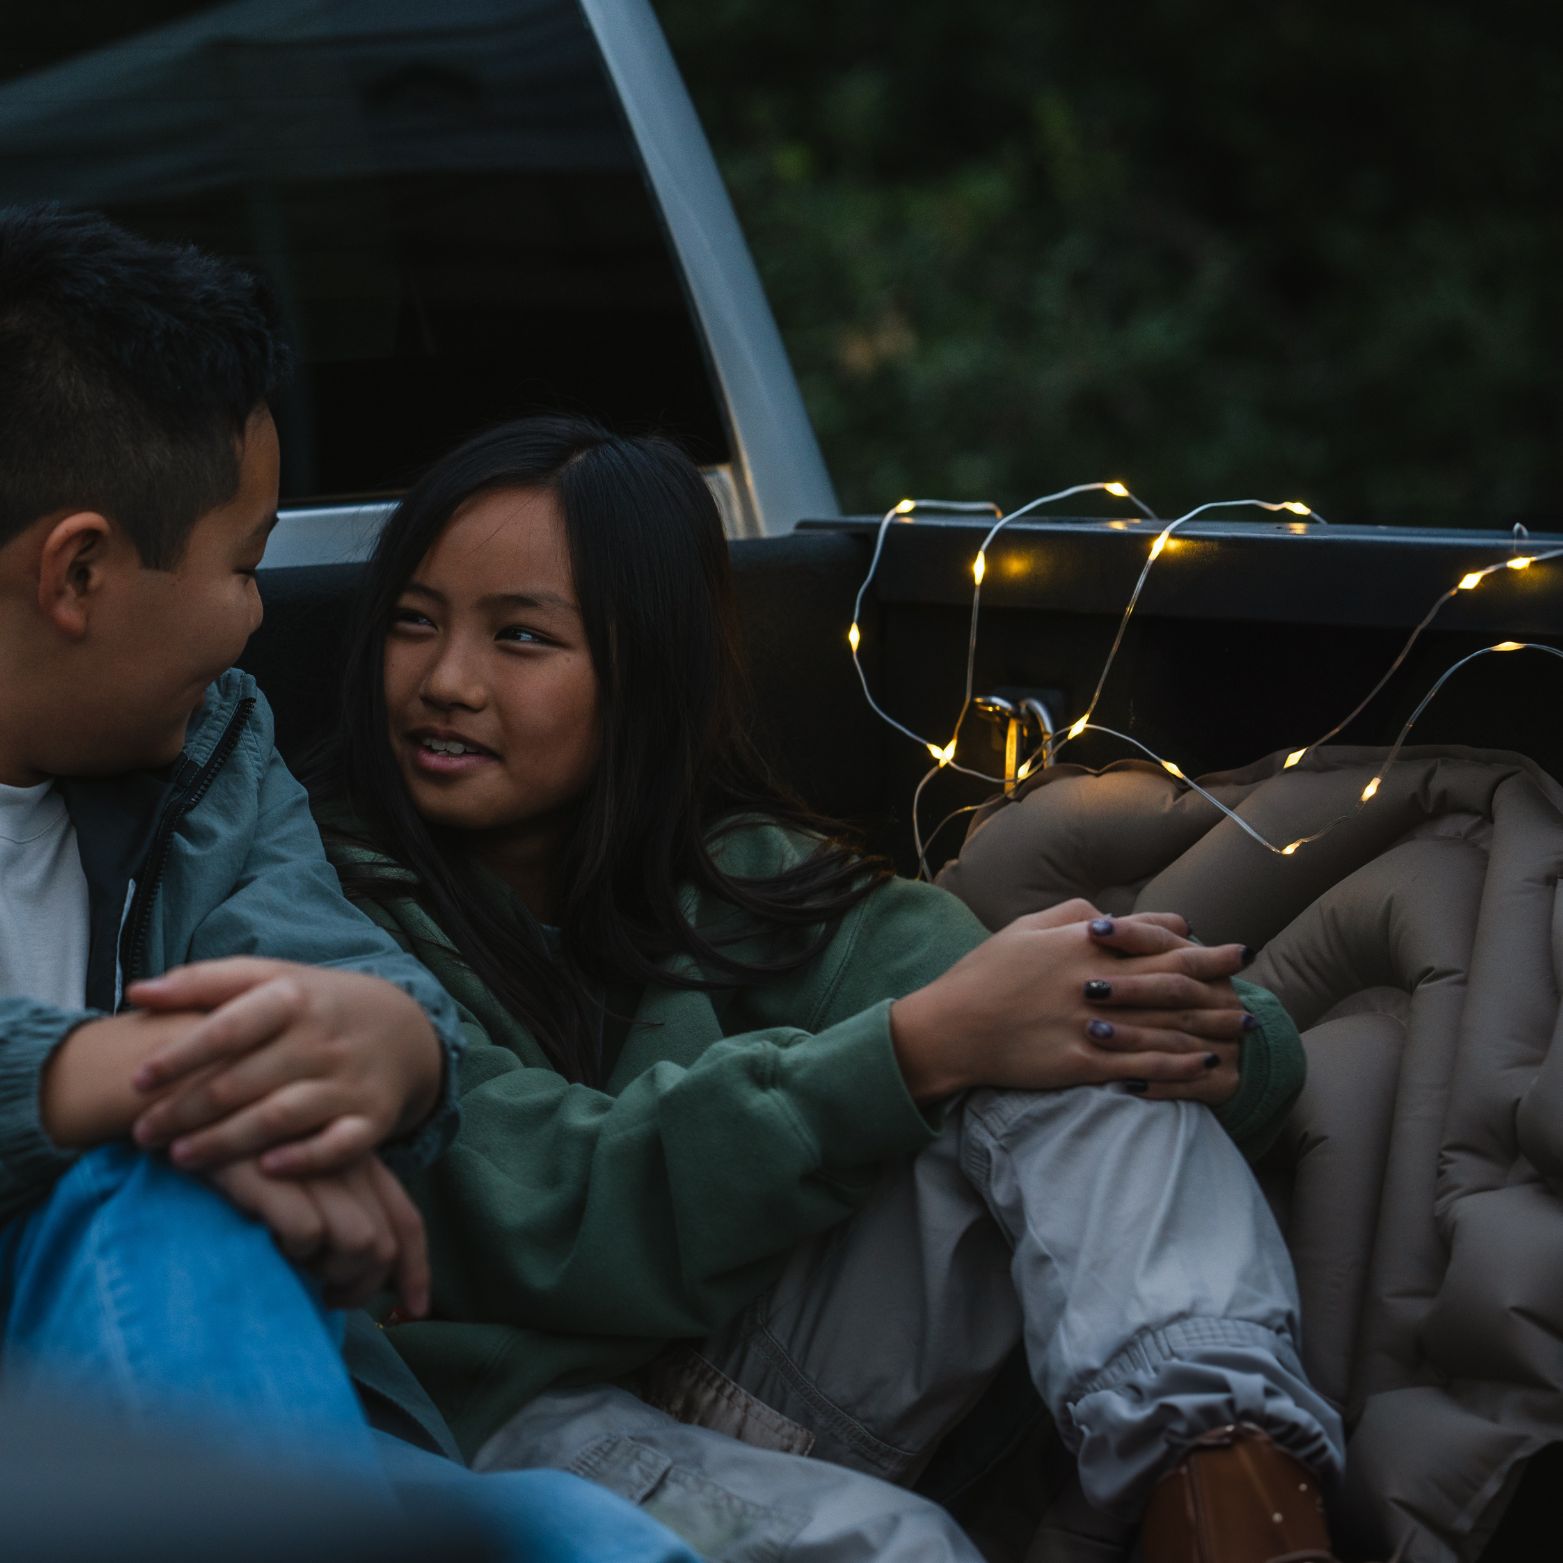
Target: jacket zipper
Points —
{"points": [[140, 921]]}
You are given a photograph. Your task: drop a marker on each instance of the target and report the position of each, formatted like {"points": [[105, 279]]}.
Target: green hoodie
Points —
{"points": [[575, 1231]]}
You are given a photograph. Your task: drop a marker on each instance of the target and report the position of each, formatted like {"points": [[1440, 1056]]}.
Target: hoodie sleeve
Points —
{"points": [[1272, 1069], [660, 1211]]}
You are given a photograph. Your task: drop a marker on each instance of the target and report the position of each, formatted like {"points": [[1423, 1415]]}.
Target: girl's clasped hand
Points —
{"points": [[1069, 997]]}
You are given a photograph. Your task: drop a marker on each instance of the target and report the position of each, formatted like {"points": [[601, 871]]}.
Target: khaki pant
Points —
{"points": [[1124, 1242]]}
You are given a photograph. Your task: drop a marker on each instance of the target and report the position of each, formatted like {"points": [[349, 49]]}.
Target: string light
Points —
{"points": [[904, 509], [944, 755], [1468, 582], [1372, 789], [1194, 786], [1158, 547]]}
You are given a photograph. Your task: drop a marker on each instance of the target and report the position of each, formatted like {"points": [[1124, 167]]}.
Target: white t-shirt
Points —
{"points": [[44, 913]]}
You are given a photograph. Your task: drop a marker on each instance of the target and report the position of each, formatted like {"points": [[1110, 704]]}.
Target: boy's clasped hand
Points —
{"points": [[277, 1082], [308, 1068]]}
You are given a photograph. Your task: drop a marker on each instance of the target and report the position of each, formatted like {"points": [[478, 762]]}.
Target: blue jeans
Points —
{"points": [[139, 1290]]}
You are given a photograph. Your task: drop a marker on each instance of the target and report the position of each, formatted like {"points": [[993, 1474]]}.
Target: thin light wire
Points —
{"points": [[905, 508], [1505, 647], [1193, 786], [964, 507], [1075, 728], [1118, 489], [933, 835], [1393, 754], [1411, 640], [917, 835], [1051, 743]]}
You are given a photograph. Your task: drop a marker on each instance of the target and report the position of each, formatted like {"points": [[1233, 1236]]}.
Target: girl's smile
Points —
{"points": [[439, 751]]}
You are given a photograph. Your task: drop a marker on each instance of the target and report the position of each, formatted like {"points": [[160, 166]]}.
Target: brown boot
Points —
{"points": [[1236, 1498]]}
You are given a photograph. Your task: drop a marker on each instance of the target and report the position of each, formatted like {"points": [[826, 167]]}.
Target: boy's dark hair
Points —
{"points": [[129, 371]]}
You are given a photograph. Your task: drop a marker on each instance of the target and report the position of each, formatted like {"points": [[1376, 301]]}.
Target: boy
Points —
{"points": [[146, 822]]}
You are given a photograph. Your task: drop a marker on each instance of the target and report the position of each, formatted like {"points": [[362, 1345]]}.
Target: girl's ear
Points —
{"points": [[72, 569]]}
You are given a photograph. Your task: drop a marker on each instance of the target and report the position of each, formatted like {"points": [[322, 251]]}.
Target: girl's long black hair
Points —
{"points": [[677, 764]]}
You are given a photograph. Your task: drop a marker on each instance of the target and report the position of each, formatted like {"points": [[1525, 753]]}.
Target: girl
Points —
{"points": [[766, 1152]]}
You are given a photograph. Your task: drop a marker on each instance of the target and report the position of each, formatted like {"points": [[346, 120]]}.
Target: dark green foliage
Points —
{"points": [[1215, 249]]}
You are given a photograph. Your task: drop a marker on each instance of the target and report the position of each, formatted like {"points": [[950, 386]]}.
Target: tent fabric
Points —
{"points": [[1420, 1176]]}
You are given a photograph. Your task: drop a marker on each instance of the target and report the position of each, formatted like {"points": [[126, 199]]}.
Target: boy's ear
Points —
{"points": [[72, 567]]}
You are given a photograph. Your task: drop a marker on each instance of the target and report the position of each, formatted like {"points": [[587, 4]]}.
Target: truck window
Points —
{"points": [[445, 198]]}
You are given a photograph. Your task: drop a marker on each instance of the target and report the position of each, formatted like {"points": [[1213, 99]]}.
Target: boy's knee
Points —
{"points": [[120, 1186]]}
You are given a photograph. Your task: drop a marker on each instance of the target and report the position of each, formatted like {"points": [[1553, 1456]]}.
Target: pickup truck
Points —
{"points": [[488, 207]]}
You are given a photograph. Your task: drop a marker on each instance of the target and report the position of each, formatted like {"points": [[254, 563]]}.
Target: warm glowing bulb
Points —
{"points": [[979, 568], [1294, 758], [1079, 727], [1118, 490], [1297, 507], [1024, 771], [1171, 769], [1158, 545], [906, 507], [1370, 789], [1508, 645], [944, 755], [1469, 583], [1521, 563], [854, 639], [1288, 850]]}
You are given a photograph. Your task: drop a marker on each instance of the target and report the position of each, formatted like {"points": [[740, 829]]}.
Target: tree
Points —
{"points": [[1214, 249]]}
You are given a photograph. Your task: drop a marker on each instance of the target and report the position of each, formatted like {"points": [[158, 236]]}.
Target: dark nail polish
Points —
{"points": [[1249, 952], [1098, 988], [1100, 1029], [1212, 1060], [1250, 1022], [1139, 1087], [1102, 927]]}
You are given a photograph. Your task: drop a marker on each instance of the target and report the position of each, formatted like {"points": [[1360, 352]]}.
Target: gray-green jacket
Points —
{"points": [[216, 856]]}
